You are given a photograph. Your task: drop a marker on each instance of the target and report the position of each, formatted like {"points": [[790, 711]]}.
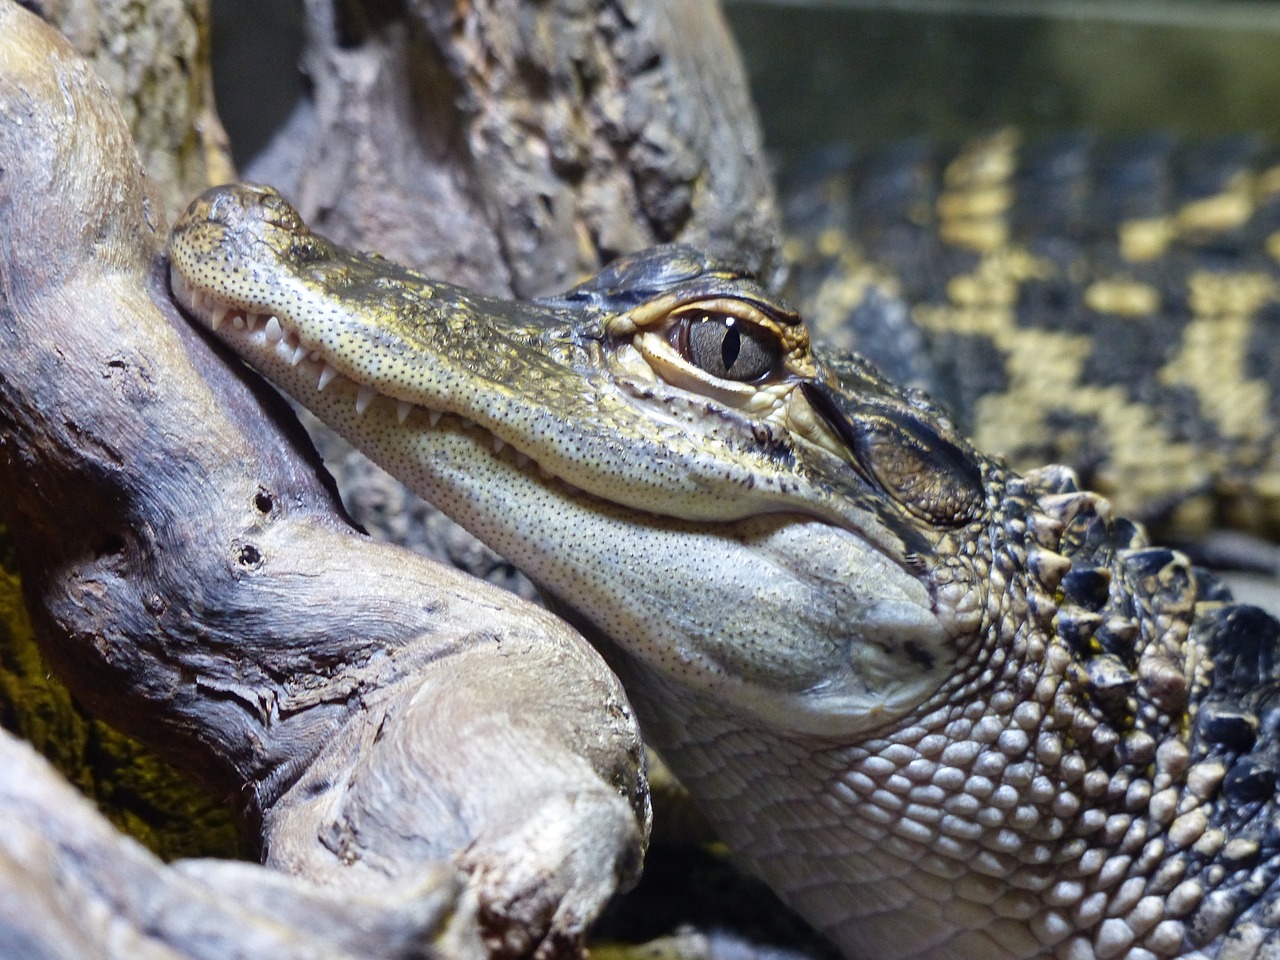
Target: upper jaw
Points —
{"points": [[667, 455], [546, 377]]}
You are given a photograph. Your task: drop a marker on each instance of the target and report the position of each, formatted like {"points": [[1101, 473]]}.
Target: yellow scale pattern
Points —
{"points": [[1044, 369]]}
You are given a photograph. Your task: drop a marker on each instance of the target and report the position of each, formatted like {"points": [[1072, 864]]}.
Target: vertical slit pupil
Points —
{"points": [[730, 345]]}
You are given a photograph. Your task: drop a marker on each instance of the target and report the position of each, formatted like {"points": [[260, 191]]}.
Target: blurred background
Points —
{"points": [[868, 71]]}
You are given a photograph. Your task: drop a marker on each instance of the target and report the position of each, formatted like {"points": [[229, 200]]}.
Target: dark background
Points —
{"points": [[866, 71]]}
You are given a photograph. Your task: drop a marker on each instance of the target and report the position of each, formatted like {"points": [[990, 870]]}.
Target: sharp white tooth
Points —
{"points": [[197, 301], [250, 320], [298, 356], [327, 376], [364, 397], [402, 411], [274, 332], [497, 444], [522, 459], [238, 322], [433, 417], [216, 317]]}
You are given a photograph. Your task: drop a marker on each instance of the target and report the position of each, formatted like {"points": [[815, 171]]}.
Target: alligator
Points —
{"points": [[945, 709], [1108, 303]]}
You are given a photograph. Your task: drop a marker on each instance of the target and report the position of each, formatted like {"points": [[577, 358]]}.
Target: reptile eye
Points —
{"points": [[727, 347]]}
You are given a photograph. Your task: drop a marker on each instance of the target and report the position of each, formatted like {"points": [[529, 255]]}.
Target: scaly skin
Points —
{"points": [[945, 710]]}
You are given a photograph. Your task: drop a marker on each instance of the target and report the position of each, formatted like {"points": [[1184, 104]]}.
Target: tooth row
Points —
{"points": [[365, 396], [294, 352], [245, 320], [218, 312]]}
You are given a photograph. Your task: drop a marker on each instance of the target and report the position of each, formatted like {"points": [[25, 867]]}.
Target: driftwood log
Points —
{"points": [[434, 762], [192, 578], [72, 888], [155, 59]]}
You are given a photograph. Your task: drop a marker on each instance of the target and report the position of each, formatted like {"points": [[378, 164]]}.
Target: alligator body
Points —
{"points": [[1112, 305], [946, 710]]}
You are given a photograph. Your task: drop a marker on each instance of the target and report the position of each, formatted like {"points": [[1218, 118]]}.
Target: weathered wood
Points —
{"points": [[192, 577], [514, 147], [71, 888], [138, 792], [155, 58]]}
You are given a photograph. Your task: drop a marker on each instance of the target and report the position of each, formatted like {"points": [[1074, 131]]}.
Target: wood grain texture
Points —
{"points": [[191, 576], [155, 58], [515, 147]]}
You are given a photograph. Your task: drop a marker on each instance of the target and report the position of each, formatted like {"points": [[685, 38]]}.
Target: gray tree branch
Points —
{"points": [[192, 578]]}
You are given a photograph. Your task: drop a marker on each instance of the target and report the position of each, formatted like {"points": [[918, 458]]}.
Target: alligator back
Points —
{"points": [[1113, 306]]}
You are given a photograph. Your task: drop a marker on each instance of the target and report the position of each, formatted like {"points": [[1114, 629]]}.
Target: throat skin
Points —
{"points": [[887, 846], [982, 827]]}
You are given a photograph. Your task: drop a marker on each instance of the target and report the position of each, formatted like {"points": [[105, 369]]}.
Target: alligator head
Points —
{"points": [[657, 441], [848, 630]]}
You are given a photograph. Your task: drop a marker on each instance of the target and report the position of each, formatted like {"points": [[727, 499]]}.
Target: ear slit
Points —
{"points": [[929, 475]]}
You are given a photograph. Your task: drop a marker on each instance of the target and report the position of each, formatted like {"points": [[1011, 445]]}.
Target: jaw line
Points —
{"points": [[525, 542], [308, 370], [305, 367]]}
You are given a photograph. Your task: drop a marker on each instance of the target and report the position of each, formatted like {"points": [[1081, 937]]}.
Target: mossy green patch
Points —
{"points": [[137, 791]]}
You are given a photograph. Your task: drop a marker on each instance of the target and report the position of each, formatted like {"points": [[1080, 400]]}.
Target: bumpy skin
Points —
{"points": [[947, 711], [1111, 305]]}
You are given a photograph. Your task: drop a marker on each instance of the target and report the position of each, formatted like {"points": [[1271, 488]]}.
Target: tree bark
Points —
{"points": [[71, 888], [155, 59], [191, 576], [514, 147]]}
